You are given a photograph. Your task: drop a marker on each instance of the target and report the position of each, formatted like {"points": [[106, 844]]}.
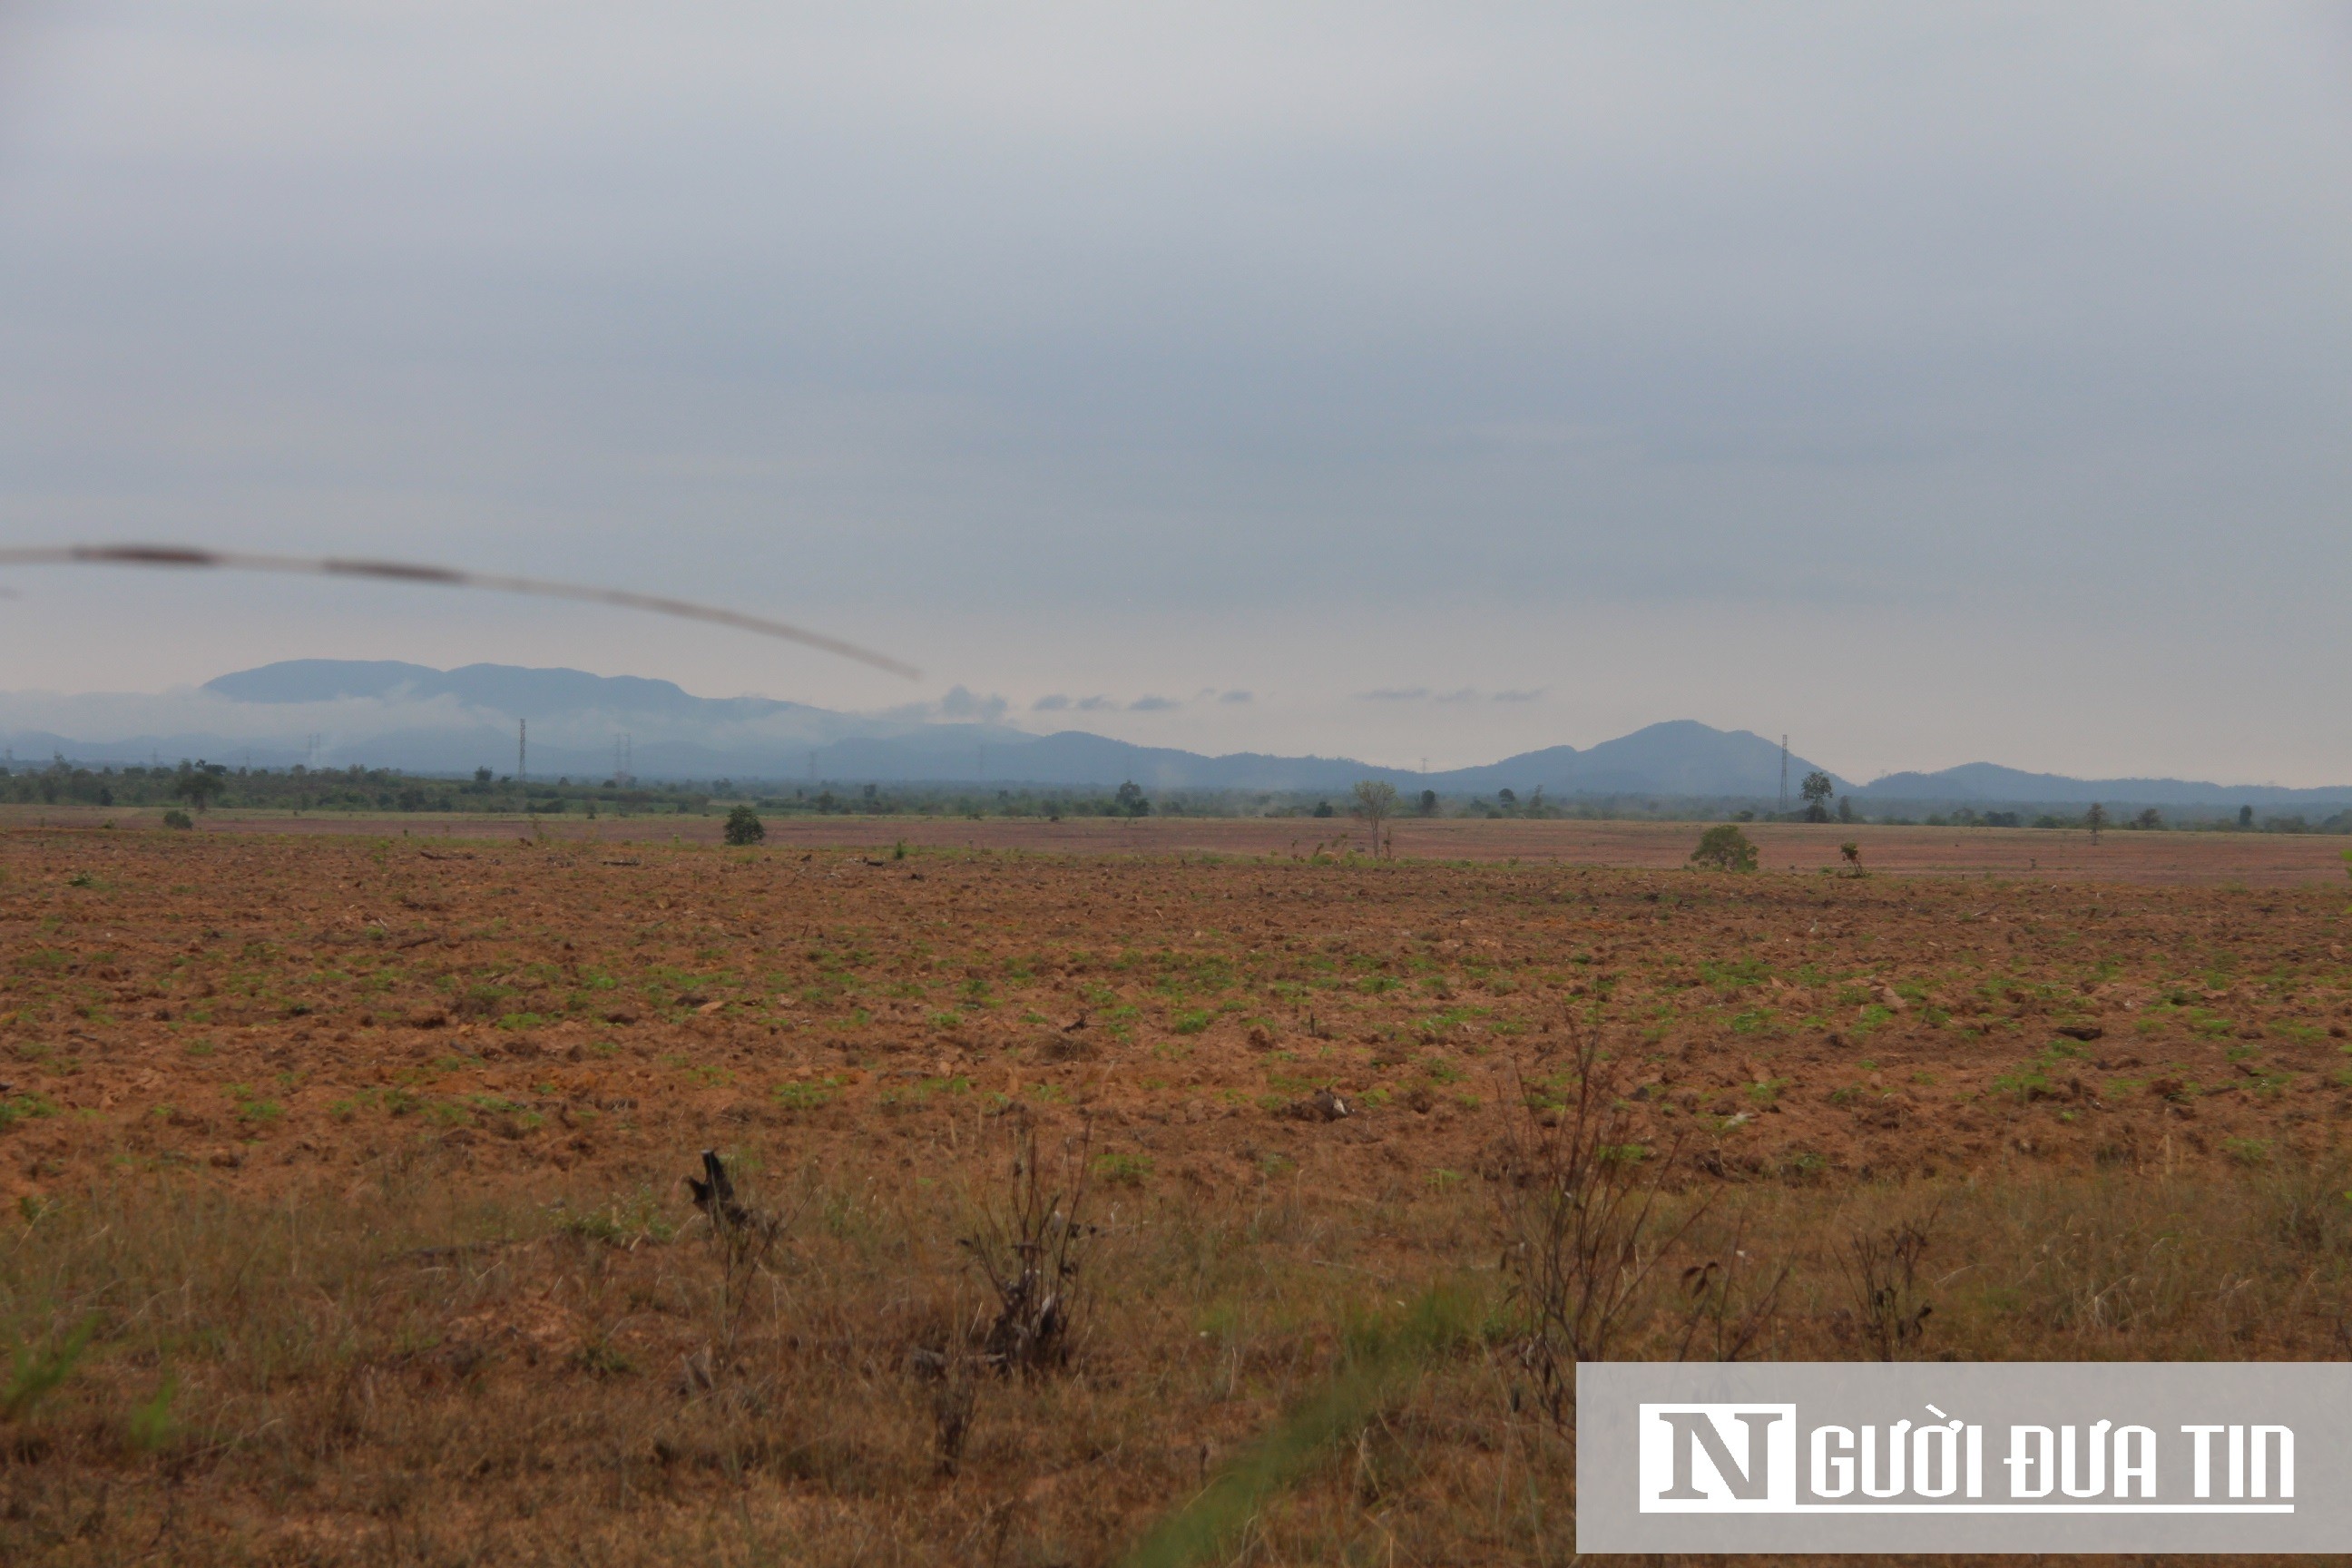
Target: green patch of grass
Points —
{"points": [[1736, 974], [921, 1091], [15, 1108], [806, 1095], [1123, 1170], [621, 1222]]}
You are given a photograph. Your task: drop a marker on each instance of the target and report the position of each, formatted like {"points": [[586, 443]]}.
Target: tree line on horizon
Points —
{"points": [[200, 785]]}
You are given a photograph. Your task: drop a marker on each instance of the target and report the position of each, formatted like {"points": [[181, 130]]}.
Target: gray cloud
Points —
{"points": [[1236, 696], [1053, 704], [1418, 694], [960, 703], [1152, 704]]}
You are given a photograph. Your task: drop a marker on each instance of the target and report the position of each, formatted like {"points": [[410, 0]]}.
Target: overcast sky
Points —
{"points": [[1933, 384]]}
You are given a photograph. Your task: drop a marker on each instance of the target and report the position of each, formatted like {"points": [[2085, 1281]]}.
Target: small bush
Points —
{"points": [[744, 826], [175, 817], [1725, 849]]}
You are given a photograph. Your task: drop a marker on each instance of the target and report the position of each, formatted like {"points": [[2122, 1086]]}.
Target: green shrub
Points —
{"points": [[175, 817], [744, 826], [1725, 849]]}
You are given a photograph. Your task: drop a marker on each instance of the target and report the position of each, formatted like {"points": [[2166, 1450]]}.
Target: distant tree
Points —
{"points": [[1130, 800], [1845, 808], [1429, 803], [197, 787], [744, 826], [2148, 821], [2094, 819], [1323, 809], [1725, 849], [1374, 802], [2245, 817], [1508, 797], [481, 775], [1817, 790]]}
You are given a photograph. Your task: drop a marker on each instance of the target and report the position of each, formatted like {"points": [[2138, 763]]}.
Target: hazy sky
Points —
{"points": [[1931, 382]]}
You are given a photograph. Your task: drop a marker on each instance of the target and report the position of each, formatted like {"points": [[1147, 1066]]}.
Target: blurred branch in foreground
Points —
{"points": [[444, 577]]}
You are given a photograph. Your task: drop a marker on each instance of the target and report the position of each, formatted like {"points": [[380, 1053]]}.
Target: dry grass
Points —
{"points": [[408, 1370]]}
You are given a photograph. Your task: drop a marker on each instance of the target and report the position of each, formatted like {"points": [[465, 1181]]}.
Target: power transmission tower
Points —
{"points": [[1784, 773]]}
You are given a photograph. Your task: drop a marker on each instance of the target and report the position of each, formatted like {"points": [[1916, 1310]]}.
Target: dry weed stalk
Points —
{"points": [[1727, 1305], [1581, 1222], [1030, 1252], [1882, 1274]]}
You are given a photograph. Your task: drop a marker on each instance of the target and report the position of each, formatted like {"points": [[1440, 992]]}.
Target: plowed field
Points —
{"points": [[260, 1006], [346, 1217]]}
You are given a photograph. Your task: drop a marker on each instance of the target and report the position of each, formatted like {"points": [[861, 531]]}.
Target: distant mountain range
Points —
{"points": [[410, 716]]}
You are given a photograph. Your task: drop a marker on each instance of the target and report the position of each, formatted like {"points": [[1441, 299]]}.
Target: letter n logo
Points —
{"points": [[1718, 1459]]}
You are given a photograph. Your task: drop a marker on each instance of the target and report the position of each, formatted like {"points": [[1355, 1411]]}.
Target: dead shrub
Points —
{"points": [[1888, 1312], [1030, 1247], [1583, 1226]]}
